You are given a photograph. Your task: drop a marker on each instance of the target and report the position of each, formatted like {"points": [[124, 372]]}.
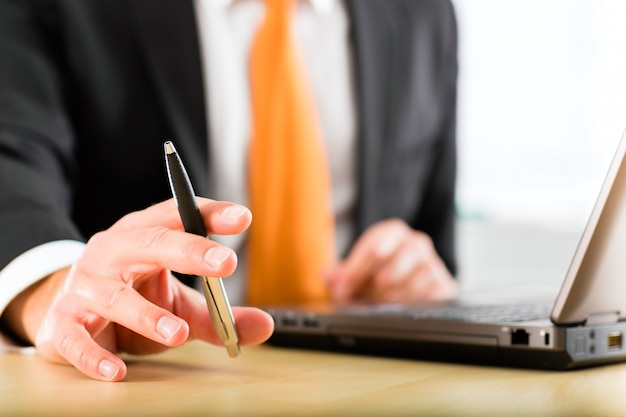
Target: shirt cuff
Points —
{"points": [[33, 265]]}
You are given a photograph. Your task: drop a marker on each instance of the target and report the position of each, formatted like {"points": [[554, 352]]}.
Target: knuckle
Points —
{"points": [[154, 237], [97, 239], [64, 344], [69, 347], [129, 221], [142, 316], [394, 225], [84, 360], [383, 280], [425, 240], [194, 252], [110, 298], [397, 223]]}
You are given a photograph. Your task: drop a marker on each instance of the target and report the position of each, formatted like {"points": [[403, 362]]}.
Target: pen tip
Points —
{"points": [[169, 147]]}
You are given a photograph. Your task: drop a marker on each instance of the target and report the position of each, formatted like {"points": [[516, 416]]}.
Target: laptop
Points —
{"points": [[584, 326]]}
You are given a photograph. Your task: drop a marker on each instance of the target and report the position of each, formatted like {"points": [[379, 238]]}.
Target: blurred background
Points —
{"points": [[542, 107]]}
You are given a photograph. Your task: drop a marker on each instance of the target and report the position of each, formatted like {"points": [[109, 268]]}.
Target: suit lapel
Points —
{"points": [[168, 31], [373, 33]]}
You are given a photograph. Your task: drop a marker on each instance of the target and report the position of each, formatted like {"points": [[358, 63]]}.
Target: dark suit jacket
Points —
{"points": [[90, 89]]}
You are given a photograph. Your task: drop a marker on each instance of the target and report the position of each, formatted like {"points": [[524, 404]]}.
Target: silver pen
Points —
{"points": [[216, 299]]}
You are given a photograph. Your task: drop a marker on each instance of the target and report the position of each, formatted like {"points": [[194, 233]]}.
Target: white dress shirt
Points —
{"points": [[226, 29]]}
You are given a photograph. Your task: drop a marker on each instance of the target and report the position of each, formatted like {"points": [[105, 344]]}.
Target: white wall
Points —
{"points": [[542, 106]]}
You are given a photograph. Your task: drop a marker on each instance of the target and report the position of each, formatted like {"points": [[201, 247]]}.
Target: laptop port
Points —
{"points": [[520, 337], [614, 341], [289, 321], [311, 322]]}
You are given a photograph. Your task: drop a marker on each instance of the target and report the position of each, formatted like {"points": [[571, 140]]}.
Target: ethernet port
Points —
{"points": [[520, 337]]}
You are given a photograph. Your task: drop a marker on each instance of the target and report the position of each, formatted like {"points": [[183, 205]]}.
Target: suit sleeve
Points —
{"points": [[437, 216], [36, 140]]}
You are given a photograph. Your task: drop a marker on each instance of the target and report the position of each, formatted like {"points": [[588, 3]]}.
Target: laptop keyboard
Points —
{"points": [[481, 314]]}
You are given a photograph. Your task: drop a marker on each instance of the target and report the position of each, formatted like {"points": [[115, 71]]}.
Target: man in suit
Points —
{"points": [[90, 89]]}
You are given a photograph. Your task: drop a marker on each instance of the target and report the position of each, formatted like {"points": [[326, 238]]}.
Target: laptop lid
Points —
{"points": [[594, 289]]}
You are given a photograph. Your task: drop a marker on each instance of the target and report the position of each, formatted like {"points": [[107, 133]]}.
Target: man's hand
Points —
{"points": [[392, 263], [121, 297]]}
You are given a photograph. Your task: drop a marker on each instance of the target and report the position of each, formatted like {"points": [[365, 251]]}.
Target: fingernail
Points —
{"points": [[108, 369], [168, 327], [216, 256], [234, 212]]}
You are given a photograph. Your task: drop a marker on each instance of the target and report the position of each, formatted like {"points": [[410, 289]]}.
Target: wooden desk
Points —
{"points": [[199, 379]]}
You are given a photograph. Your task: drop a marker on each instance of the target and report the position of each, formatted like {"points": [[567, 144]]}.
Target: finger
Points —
{"points": [[414, 255], [161, 291], [253, 325], [70, 342], [370, 253], [415, 273], [220, 217], [120, 303], [137, 252], [443, 286], [421, 287]]}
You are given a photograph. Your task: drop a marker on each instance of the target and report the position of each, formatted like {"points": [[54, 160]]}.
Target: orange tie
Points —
{"points": [[291, 236]]}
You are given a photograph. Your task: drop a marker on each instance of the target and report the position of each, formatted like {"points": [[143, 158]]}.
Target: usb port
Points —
{"points": [[310, 322], [289, 321], [614, 341]]}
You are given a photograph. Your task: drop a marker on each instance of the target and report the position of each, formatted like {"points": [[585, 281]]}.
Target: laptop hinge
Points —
{"points": [[603, 318]]}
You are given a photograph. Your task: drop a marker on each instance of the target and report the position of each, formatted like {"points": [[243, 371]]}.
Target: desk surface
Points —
{"points": [[198, 379]]}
